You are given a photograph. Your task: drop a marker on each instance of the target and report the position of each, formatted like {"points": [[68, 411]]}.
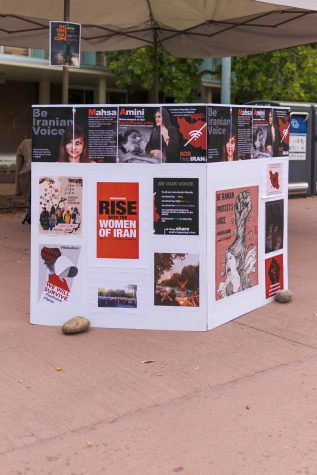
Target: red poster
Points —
{"points": [[274, 274], [236, 240], [118, 220]]}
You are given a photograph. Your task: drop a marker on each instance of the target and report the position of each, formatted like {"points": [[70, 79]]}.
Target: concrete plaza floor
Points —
{"points": [[241, 399]]}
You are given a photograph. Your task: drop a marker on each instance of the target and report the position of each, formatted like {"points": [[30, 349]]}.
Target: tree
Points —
{"points": [[163, 262], [283, 75], [189, 274], [178, 77]]}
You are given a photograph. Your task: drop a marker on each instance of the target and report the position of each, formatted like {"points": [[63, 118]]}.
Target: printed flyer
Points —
{"points": [[58, 269], [273, 275], [75, 134], [49, 127], [184, 134], [221, 144], [176, 209], [60, 205], [118, 220], [298, 136], [102, 133], [176, 279], [262, 140], [124, 297], [274, 178], [236, 240], [139, 134], [274, 225], [64, 44], [242, 131], [282, 119]]}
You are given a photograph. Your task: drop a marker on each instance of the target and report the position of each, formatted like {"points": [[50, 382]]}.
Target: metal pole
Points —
{"points": [[226, 81], [156, 85], [65, 85]]}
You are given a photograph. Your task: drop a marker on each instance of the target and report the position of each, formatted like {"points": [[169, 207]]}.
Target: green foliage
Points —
{"points": [[189, 274], [283, 75], [164, 262], [178, 77]]}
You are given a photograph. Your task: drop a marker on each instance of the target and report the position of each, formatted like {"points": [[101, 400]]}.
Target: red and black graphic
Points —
{"points": [[118, 220], [188, 130], [274, 179], [58, 267], [274, 275], [283, 122]]}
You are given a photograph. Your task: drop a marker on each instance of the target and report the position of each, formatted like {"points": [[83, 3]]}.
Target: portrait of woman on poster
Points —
{"points": [[258, 149], [230, 146], [164, 139], [273, 136], [74, 147], [132, 148]]}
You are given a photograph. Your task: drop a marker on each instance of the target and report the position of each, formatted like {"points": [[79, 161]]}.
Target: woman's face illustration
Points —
{"points": [[230, 147], [74, 149], [158, 119], [231, 262]]}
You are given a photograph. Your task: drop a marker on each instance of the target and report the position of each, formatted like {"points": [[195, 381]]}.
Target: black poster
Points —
{"points": [[176, 206], [139, 139], [274, 225], [64, 44], [184, 134], [242, 131], [221, 145], [48, 128], [102, 132], [74, 134], [261, 144]]}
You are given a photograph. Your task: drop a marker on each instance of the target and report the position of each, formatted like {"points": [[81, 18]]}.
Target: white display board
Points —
{"points": [[164, 246]]}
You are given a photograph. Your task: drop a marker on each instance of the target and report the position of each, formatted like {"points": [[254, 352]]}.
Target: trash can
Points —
{"points": [[314, 152]]}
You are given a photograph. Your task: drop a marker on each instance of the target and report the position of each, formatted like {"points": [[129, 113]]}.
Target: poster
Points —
{"points": [[64, 44], [48, 131], [184, 134], [139, 137], [176, 279], [221, 145], [261, 137], [176, 209], [274, 275], [75, 134], [236, 240], [125, 297], [100, 122], [298, 136], [274, 178], [60, 205], [118, 220], [281, 149], [241, 131], [274, 225], [58, 270]]}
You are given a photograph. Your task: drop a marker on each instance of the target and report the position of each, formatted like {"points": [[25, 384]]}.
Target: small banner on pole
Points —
{"points": [[64, 44]]}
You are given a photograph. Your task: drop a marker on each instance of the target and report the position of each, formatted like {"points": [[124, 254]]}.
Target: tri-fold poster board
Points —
{"points": [[172, 229]]}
